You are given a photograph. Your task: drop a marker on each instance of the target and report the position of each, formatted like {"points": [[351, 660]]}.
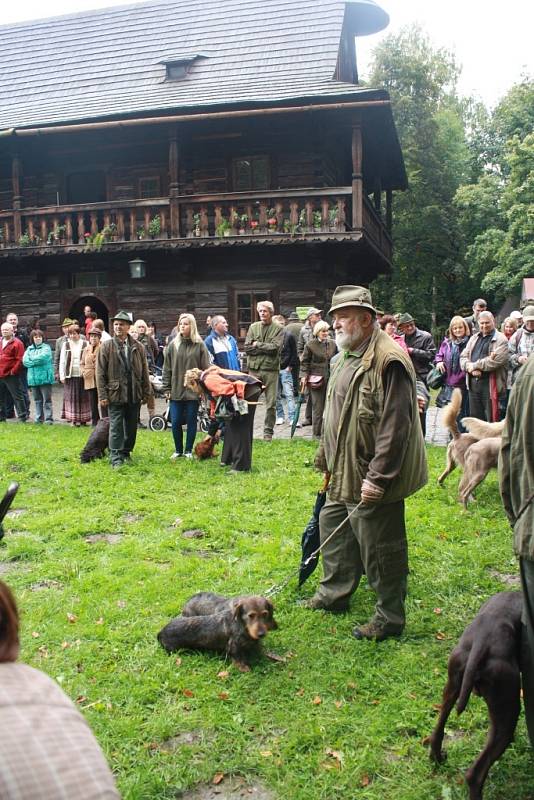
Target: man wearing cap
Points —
{"points": [[306, 334], [485, 359], [123, 384], [294, 325], [263, 346], [373, 449], [521, 343]]}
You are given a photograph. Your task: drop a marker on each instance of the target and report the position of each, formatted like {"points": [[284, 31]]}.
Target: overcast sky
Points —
{"points": [[492, 43]]}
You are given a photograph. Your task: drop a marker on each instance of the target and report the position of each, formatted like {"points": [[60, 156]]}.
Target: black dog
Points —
{"points": [[486, 661], [213, 622], [97, 443]]}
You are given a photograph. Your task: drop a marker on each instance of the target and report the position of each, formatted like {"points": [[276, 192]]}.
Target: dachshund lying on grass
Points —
{"points": [[486, 661], [234, 626]]}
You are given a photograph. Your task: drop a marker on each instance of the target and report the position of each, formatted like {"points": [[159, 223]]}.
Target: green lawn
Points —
{"points": [[340, 719]]}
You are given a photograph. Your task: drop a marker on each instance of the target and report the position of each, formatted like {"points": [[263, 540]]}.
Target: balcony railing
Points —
{"points": [[275, 214]]}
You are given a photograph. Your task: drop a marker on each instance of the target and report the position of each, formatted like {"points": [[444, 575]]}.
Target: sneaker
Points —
{"points": [[318, 604], [298, 425], [188, 455], [279, 421], [176, 455], [375, 631]]}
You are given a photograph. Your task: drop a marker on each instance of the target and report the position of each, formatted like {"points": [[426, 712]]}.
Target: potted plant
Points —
{"points": [[109, 232], [303, 219], [224, 227], [272, 222], [243, 219], [196, 224], [140, 233], [154, 227], [333, 218], [317, 220], [25, 240]]}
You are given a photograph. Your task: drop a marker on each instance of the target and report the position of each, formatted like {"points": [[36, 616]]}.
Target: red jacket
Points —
{"points": [[11, 357]]}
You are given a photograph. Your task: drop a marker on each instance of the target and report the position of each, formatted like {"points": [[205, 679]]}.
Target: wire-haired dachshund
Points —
{"points": [[235, 626], [97, 442], [486, 661]]}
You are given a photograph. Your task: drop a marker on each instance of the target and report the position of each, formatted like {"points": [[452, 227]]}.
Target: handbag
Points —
{"points": [[316, 381], [435, 379]]}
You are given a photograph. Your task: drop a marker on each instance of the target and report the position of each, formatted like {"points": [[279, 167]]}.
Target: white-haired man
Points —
{"points": [[373, 449], [263, 346]]}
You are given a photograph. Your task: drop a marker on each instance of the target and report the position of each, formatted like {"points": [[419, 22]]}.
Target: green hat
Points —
{"points": [[66, 322], [405, 319], [123, 316], [355, 296]]}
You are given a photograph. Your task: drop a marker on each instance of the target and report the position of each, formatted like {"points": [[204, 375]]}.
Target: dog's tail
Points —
{"points": [[481, 429], [476, 656], [450, 412]]}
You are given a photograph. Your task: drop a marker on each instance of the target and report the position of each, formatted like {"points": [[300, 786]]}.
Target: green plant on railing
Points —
{"points": [[196, 224], [290, 227], [272, 221], [26, 240], [333, 217], [140, 233], [317, 218], [109, 232], [94, 241], [224, 227], [57, 235], [303, 218], [242, 220], [154, 227]]}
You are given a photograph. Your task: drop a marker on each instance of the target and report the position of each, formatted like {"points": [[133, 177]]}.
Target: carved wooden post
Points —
{"points": [[147, 219], [163, 218], [44, 230], [309, 214], [81, 228], [325, 213], [279, 214], [133, 225], [263, 216], [294, 213], [174, 187], [68, 232], [31, 231], [389, 211], [357, 178], [204, 221], [189, 225], [120, 226], [341, 213], [94, 222], [107, 219], [234, 222], [17, 196]]}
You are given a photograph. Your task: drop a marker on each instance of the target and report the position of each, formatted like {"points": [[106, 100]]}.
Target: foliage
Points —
{"points": [[495, 211], [25, 240], [154, 227], [340, 718], [430, 122], [223, 227]]}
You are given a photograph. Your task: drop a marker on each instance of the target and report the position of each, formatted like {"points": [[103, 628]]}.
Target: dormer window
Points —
{"points": [[178, 68]]}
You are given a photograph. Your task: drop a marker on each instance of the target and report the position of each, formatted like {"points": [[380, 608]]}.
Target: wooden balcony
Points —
{"points": [[275, 216]]}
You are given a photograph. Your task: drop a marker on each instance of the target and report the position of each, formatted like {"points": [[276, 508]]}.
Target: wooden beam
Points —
{"points": [[357, 177], [16, 170]]}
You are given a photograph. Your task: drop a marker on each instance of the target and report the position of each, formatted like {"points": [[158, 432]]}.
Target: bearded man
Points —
{"points": [[372, 447]]}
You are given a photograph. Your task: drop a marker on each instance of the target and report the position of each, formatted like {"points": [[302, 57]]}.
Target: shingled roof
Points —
{"points": [[109, 63]]}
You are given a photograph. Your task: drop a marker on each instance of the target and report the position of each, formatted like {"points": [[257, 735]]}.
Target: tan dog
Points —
{"points": [[487, 437]]}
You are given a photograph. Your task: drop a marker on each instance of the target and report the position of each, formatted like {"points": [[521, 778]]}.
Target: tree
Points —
{"points": [[428, 278]]}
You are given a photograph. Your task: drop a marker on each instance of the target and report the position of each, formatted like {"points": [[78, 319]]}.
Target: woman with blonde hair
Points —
{"points": [[315, 371], [186, 351], [448, 362]]}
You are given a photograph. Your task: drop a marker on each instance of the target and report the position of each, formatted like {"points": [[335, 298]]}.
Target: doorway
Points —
{"points": [[76, 310]]}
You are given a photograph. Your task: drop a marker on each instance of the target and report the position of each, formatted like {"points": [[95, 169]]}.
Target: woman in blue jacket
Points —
{"points": [[38, 361]]}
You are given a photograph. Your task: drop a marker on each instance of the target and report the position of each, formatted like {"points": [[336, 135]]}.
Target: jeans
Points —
{"points": [[285, 389], [184, 411], [42, 397], [11, 389]]}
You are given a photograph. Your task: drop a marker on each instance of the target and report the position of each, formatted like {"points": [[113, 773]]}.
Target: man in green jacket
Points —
{"points": [[123, 384], [373, 449], [263, 346], [516, 475]]}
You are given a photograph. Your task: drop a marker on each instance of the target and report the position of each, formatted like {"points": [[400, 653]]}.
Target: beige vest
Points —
{"points": [[358, 425]]}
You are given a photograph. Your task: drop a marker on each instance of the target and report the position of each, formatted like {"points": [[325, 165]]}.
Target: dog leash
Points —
{"points": [[277, 587]]}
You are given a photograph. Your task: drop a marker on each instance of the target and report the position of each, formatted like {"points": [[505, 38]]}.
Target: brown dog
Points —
{"points": [[486, 661], [479, 431], [206, 448], [235, 626], [479, 459]]}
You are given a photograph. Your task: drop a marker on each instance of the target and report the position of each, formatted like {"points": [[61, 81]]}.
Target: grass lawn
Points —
{"points": [[340, 719]]}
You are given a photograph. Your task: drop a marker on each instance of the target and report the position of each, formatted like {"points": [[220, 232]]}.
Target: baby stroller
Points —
{"points": [[160, 422]]}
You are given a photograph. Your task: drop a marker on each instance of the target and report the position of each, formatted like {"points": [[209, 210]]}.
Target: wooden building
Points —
{"points": [[175, 155]]}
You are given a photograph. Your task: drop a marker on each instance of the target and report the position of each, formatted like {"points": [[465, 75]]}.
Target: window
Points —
{"points": [[149, 187], [246, 310], [89, 280], [178, 68], [251, 173]]}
